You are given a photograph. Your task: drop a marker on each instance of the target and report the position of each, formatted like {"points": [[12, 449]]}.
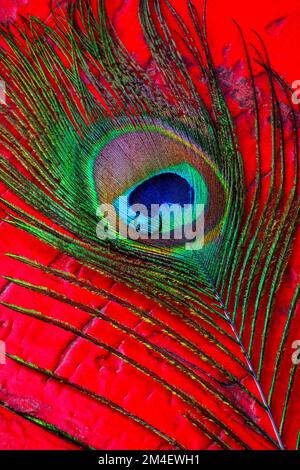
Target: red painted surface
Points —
{"points": [[94, 368]]}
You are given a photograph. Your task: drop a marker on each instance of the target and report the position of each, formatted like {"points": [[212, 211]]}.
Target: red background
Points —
{"points": [[278, 23]]}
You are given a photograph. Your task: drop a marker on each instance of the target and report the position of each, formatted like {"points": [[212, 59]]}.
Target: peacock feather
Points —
{"points": [[87, 124]]}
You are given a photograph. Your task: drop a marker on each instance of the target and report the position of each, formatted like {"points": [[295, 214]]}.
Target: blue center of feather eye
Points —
{"points": [[165, 188]]}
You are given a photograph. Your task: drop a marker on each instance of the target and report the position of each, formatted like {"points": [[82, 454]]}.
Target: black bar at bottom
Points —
{"points": [[144, 459]]}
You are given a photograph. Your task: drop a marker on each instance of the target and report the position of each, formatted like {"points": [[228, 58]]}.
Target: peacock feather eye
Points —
{"points": [[153, 164]]}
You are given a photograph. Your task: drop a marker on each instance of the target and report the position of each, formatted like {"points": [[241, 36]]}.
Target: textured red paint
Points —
{"points": [[93, 367]]}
